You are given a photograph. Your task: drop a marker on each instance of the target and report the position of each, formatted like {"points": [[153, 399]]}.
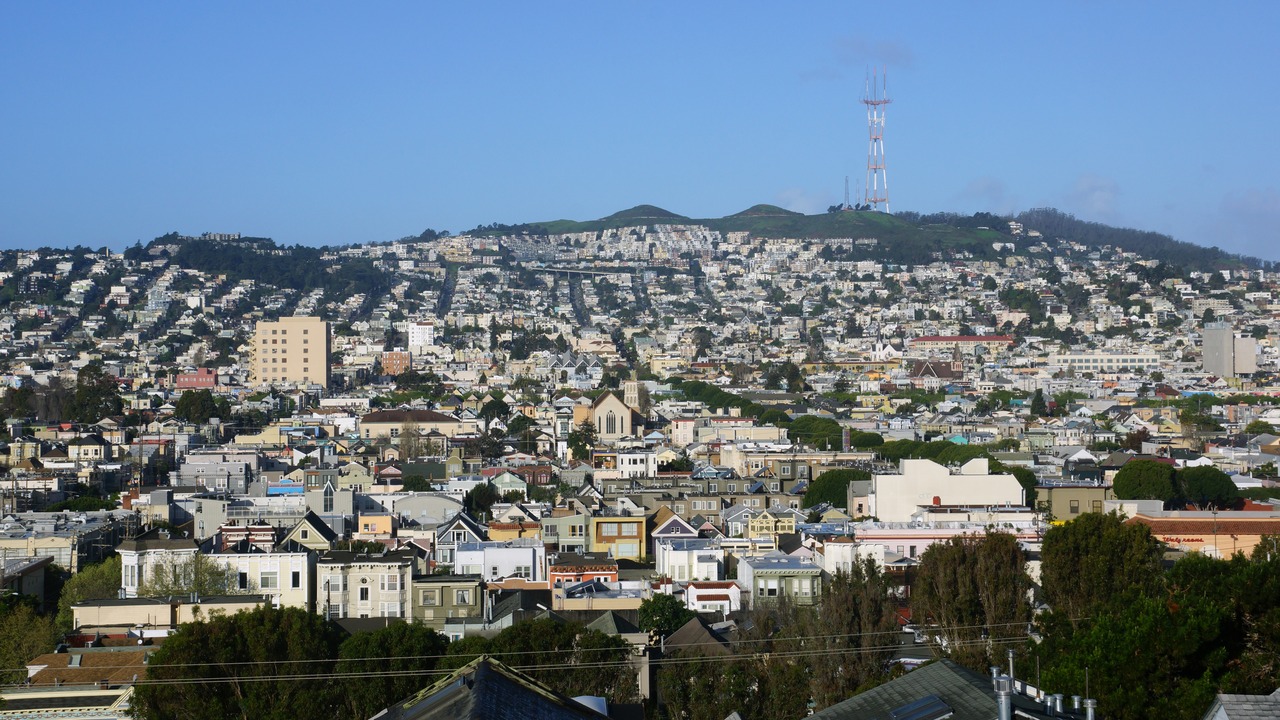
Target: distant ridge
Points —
{"points": [[644, 212], [763, 210]]}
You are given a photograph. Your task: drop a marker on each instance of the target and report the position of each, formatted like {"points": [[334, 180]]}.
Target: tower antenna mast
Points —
{"points": [[876, 98]]}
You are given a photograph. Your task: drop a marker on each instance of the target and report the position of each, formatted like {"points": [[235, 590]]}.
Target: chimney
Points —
{"points": [[1004, 697], [1075, 702], [1012, 677], [1057, 703], [1089, 706]]}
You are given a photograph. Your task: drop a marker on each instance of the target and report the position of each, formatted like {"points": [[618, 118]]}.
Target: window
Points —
{"points": [[389, 609], [268, 581], [524, 571], [462, 597], [1097, 506], [1075, 507], [243, 580], [295, 578], [428, 597], [609, 529], [364, 594], [733, 487], [391, 583]]}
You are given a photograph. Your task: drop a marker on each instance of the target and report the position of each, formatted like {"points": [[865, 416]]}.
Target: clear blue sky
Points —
{"points": [[328, 123]]}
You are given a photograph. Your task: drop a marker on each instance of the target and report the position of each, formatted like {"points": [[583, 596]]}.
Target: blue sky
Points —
{"points": [[328, 123]]}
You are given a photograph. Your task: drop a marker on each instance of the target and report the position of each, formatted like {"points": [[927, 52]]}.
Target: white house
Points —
{"points": [[896, 498], [524, 558]]}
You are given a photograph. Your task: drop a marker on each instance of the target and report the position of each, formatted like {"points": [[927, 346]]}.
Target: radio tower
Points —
{"points": [[877, 189]]}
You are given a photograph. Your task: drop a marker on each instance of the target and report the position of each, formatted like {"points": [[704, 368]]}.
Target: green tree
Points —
{"points": [[96, 395], [264, 664], [974, 589], [1039, 407], [393, 661], [100, 581], [479, 499], [832, 487], [582, 439], [1095, 558], [24, 634], [495, 409], [1207, 487], [416, 483], [664, 614], [1260, 427], [196, 406], [852, 627], [821, 433], [1145, 480]]}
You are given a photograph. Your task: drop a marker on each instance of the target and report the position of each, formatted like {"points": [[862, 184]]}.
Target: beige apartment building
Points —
{"points": [[291, 350]]}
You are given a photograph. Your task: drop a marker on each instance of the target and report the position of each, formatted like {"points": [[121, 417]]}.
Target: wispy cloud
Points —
{"points": [[849, 56], [801, 200], [1094, 197], [987, 194]]}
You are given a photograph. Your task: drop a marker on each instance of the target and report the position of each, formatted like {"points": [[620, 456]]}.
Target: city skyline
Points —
{"points": [[349, 125]]}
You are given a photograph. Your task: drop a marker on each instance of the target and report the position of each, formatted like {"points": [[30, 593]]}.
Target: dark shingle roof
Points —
{"points": [[486, 688]]}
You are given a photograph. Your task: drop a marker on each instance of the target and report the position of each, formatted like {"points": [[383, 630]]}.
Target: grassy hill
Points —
{"points": [[911, 237]]}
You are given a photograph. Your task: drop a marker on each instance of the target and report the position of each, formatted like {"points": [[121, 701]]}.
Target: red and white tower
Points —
{"points": [[876, 98]]}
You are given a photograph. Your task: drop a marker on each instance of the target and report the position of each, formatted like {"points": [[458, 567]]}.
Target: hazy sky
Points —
{"points": [[327, 123]]}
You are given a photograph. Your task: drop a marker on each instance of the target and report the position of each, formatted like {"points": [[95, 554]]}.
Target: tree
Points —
{"points": [[415, 483], [582, 439], [398, 655], [479, 499], [196, 406], [495, 409], [100, 581], [974, 589], [1088, 562], [95, 395], [264, 664], [664, 614], [1039, 407], [197, 573], [565, 656], [1145, 480], [24, 634], [1207, 487], [410, 440], [832, 487], [1259, 427], [858, 614]]}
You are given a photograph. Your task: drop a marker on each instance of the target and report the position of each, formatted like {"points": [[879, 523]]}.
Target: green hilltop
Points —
{"points": [[912, 237]]}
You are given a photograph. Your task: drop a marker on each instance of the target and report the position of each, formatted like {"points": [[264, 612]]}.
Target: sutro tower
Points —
{"points": [[877, 188]]}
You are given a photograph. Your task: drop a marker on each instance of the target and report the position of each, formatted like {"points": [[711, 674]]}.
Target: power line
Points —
{"points": [[518, 653]]}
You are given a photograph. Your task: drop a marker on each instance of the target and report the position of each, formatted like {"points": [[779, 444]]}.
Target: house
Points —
{"points": [[454, 532], [944, 689], [767, 578], [689, 559], [140, 555], [312, 533], [437, 598], [389, 423], [351, 585], [493, 560], [898, 497], [622, 536], [713, 596], [572, 568], [1244, 707], [487, 688]]}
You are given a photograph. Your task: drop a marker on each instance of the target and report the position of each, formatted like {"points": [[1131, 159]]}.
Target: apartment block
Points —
{"points": [[291, 350]]}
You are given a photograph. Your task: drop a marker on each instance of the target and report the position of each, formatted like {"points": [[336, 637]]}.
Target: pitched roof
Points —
{"points": [[967, 694], [400, 416], [1246, 707]]}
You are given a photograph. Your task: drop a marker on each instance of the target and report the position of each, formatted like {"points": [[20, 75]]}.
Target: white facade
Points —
{"points": [[364, 586], [495, 560], [422, 335], [896, 498], [285, 577], [684, 560]]}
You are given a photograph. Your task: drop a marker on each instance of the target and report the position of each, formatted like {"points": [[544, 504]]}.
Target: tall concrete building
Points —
{"points": [[291, 350], [1226, 354]]}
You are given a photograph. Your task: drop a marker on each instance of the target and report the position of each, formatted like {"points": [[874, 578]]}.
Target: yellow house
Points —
{"points": [[768, 526], [515, 530], [621, 536]]}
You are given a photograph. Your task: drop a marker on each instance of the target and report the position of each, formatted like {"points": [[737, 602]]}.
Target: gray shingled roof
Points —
{"points": [[1246, 707]]}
